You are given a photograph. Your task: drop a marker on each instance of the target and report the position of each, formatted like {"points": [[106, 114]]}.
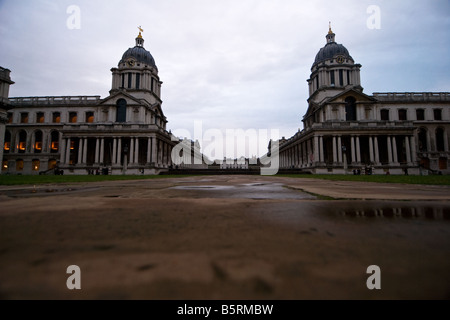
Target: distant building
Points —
{"points": [[124, 133], [347, 131], [5, 82]]}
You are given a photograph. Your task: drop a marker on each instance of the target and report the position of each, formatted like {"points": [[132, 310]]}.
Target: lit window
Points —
{"points": [[38, 145], [40, 117], [89, 117], [72, 145], [5, 165], [24, 117], [7, 146], [22, 146], [56, 117], [55, 145], [35, 165], [73, 117]]}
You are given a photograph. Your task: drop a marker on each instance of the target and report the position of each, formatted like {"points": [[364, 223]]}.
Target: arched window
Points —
{"points": [[38, 141], [440, 139], [7, 145], [22, 144], [350, 109], [423, 145], [54, 143], [121, 114]]}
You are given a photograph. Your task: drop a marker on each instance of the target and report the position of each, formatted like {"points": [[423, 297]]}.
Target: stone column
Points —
{"points": [[339, 149], [154, 151], [394, 150], [377, 151], [352, 142], [114, 155], [68, 151], [136, 151], [321, 159], [358, 150], [85, 145], [119, 151], [445, 141], [80, 150], [102, 150], [149, 149], [389, 145], [316, 149], [97, 150], [408, 150], [413, 150], [131, 150], [62, 157], [371, 149], [335, 159]]}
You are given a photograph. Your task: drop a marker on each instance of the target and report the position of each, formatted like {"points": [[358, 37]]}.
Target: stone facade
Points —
{"points": [[124, 133], [347, 131]]}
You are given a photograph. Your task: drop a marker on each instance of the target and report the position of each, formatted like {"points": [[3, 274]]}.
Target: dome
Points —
{"points": [[331, 50], [140, 55]]}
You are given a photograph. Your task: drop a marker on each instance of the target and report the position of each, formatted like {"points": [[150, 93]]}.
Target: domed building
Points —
{"points": [[346, 131], [124, 133]]}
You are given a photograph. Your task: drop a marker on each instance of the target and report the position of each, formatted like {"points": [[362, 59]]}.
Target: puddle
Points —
{"points": [[256, 191]]}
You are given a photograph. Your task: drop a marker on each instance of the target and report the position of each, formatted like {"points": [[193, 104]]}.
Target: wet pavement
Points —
{"points": [[225, 237]]}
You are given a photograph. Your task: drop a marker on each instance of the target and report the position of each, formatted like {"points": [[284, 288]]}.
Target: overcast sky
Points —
{"points": [[228, 63]]}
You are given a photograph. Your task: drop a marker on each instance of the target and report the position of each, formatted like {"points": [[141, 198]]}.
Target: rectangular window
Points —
{"points": [[420, 114], [40, 117], [384, 115], [348, 77], [402, 115], [24, 117], [73, 117], [56, 117], [153, 80], [89, 117], [129, 79], [138, 80], [332, 78], [123, 81], [10, 117], [341, 77], [437, 114], [317, 82]]}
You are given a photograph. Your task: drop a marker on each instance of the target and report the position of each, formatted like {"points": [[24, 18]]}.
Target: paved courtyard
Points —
{"points": [[225, 237]]}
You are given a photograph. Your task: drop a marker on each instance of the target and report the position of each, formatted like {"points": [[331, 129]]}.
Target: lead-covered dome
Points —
{"points": [[331, 50], [139, 54]]}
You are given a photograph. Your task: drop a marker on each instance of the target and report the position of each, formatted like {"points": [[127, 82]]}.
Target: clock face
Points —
{"points": [[340, 59], [130, 62]]}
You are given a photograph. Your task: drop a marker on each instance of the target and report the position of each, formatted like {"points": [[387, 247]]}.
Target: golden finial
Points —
{"points": [[330, 31], [140, 30]]}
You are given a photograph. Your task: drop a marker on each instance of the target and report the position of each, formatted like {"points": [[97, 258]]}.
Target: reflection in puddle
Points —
{"points": [[432, 213]]}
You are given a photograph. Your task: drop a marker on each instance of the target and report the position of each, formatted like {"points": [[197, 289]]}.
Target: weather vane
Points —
{"points": [[140, 29]]}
